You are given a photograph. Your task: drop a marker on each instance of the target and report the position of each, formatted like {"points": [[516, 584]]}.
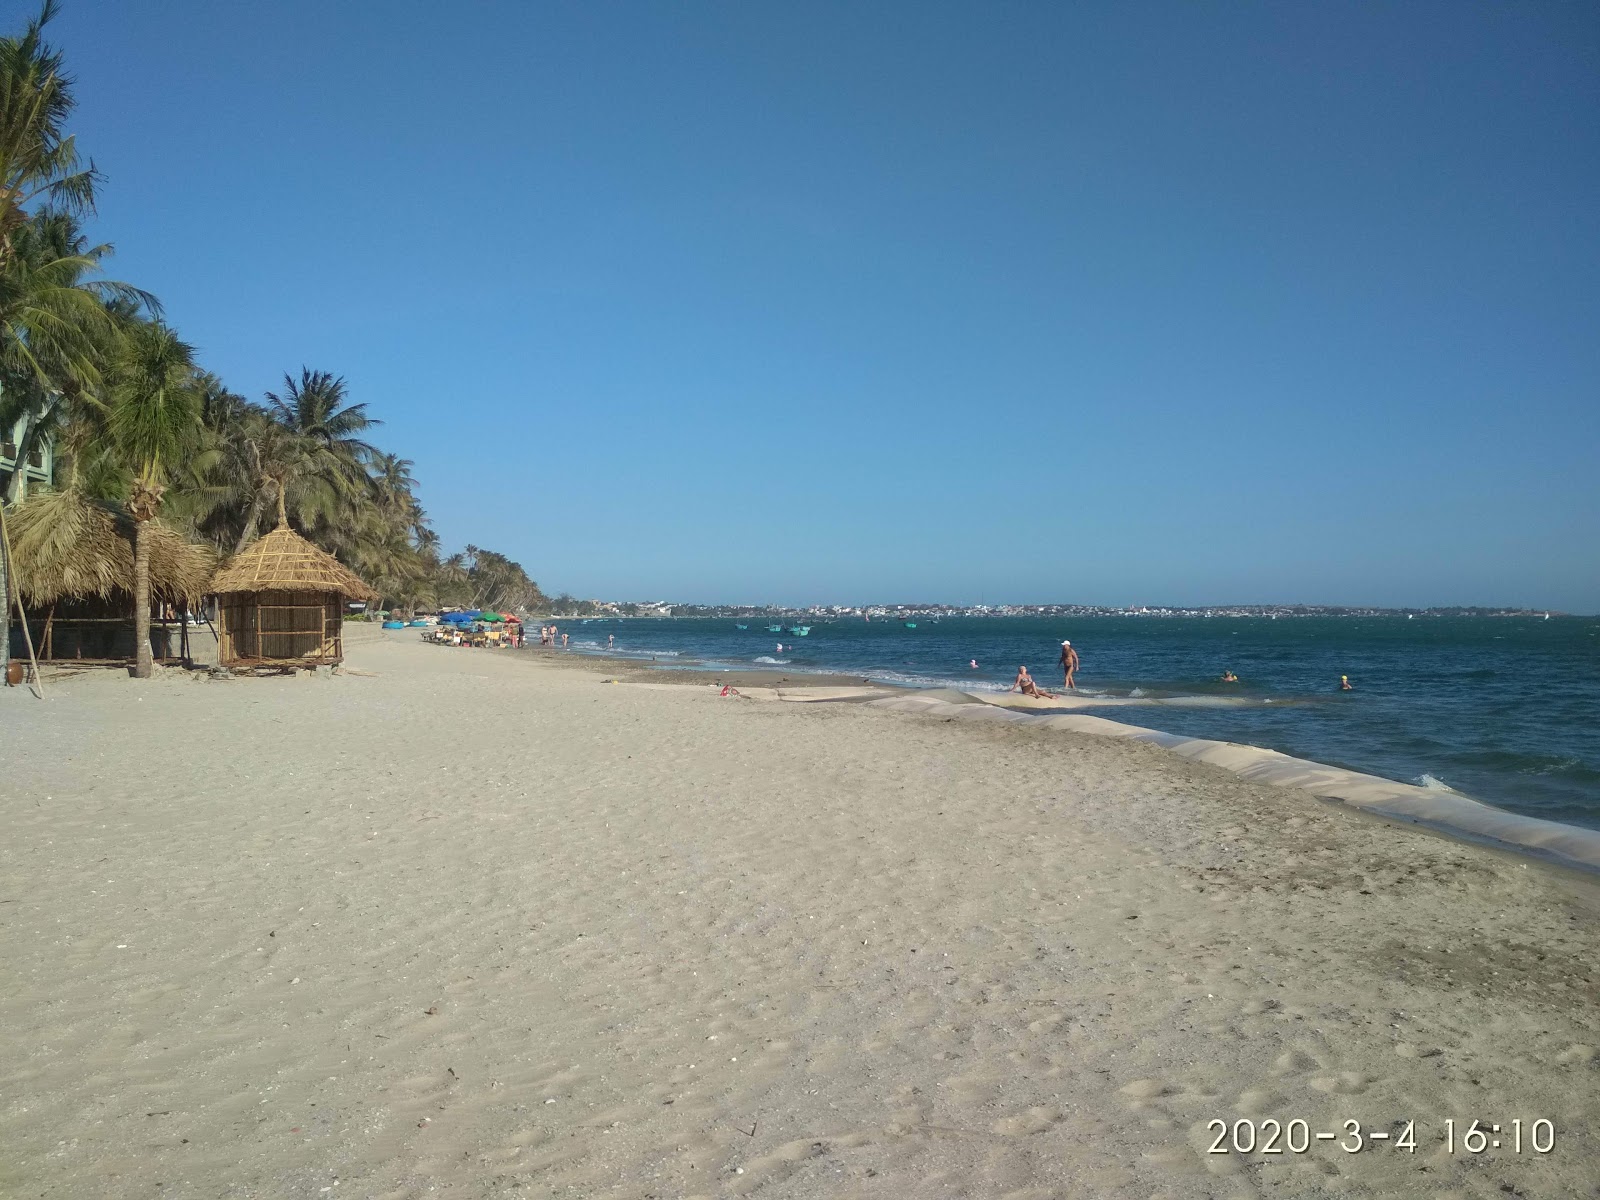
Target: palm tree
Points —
{"points": [[394, 490], [315, 407], [38, 159], [57, 326], [153, 420]]}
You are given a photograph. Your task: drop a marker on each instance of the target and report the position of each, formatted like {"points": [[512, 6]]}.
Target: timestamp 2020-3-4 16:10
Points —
{"points": [[1269, 1135]]}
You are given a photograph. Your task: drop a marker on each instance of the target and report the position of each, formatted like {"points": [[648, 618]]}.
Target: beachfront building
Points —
{"points": [[29, 458], [280, 602], [73, 558]]}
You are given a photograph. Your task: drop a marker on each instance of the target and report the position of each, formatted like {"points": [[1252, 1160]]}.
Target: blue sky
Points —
{"points": [[839, 302]]}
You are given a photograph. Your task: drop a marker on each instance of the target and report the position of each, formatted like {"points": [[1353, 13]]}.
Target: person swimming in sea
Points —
{"points": [[1024, 683], [1345, 685], [973, 664], [1229, 677]]}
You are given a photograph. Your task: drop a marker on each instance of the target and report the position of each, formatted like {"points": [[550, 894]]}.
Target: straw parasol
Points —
{"points": [[68, 547], [281, 601], [283, 561]]}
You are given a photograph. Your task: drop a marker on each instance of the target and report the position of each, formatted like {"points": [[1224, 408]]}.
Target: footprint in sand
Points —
{"points": [[1033, 1120], [1341, 1083], [1292, 1062], [1258, 1100], [1141, 1092]]}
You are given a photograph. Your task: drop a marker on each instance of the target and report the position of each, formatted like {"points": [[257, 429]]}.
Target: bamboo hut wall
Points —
{"points": [[92, 629], [280, 627]]}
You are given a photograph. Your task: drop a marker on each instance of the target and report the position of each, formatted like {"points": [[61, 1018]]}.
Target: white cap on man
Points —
{"points": [[1066, 643]]}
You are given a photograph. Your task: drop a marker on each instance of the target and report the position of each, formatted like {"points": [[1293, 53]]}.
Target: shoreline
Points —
{"points": [[1446, 811], [631, 938]]}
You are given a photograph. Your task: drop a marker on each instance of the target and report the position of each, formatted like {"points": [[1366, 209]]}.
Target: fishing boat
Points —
{"points": [[911, 624], [774, 628], [800, 630], [738, 626]]}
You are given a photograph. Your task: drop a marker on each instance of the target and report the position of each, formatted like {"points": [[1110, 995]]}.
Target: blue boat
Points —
{"points": [[774, 628], [911, 624], [738, 626], [800, 630]]}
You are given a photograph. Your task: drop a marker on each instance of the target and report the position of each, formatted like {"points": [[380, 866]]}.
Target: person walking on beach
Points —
{"points": [[1024, 683], [1069, 665]]}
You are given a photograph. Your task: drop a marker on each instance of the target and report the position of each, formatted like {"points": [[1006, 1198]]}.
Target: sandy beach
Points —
{"points": [[487, 923]]}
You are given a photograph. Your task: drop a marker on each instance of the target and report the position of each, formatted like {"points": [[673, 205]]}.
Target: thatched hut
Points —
{"points": [[73, 558], [281, 601]]}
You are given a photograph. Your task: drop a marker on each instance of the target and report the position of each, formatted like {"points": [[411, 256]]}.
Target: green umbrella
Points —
{"points": [[490, 616]]}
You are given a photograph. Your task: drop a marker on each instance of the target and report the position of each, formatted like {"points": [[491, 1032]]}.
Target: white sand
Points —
{"points": [[491, 928]]}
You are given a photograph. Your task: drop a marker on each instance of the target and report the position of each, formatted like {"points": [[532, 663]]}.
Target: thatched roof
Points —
{"points": [[283, 561], [66, 546]]}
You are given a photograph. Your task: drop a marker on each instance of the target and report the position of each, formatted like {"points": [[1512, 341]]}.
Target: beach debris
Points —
{"points": [[431, 1011]]}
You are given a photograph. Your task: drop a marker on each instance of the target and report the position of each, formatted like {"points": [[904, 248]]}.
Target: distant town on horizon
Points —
{"points": [[569, 606]]}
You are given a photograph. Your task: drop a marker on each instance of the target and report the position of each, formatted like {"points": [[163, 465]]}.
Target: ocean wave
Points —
{"points": [[910, 680], [1433, 783], [777, 662]]}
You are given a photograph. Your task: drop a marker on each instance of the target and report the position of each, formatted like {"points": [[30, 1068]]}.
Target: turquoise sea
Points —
{"points": [[1506, 710]]}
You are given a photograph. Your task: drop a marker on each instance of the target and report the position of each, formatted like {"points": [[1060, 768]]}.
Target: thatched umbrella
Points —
{"points": [[76, 554], [282, 599]]}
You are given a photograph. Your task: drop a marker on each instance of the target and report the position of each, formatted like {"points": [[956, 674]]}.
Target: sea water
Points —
{"points": [[1503, 709]]}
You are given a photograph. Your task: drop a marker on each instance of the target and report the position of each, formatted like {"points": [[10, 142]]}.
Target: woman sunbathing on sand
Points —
{"points": [[1025, 684]]}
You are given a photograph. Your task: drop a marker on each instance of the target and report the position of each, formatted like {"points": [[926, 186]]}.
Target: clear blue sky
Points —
{"points": [[746, 301]]}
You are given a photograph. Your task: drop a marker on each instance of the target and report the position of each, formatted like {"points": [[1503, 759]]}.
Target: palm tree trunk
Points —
{"points": [[19, 477], [253, 523], [141, 601]]}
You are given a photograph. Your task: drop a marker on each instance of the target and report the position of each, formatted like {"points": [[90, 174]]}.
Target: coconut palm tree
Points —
{"points": [[152, 422], [39, 161], [58, 326], [316, 407]]}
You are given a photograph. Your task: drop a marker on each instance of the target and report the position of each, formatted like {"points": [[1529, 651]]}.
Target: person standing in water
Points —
{"points": [[1345, 685], [1069, 665]]}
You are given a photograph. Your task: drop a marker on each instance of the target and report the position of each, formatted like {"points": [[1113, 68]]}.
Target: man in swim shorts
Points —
{"points": [[1069, 664]]}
